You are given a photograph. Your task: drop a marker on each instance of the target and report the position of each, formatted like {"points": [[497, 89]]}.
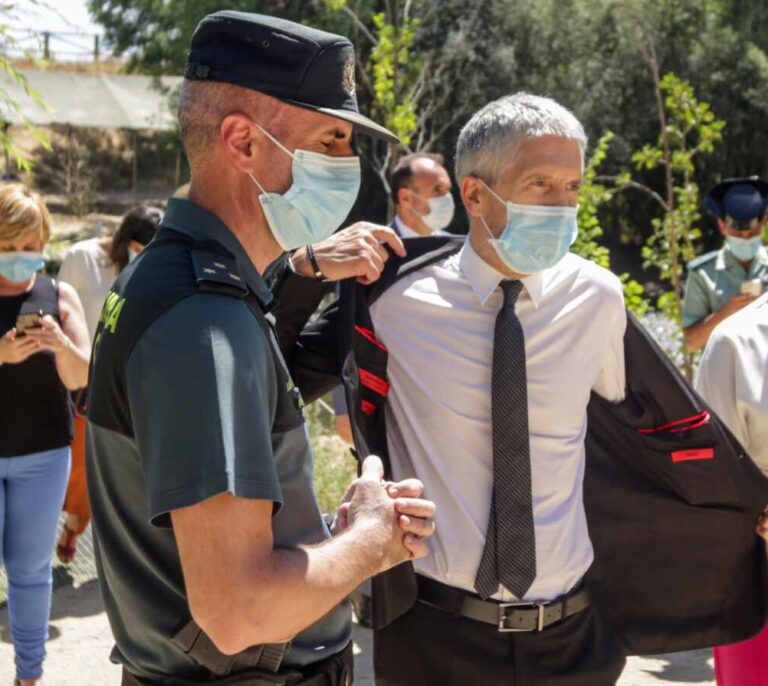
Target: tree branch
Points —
{"points": [[360, 25], [636, 186]]}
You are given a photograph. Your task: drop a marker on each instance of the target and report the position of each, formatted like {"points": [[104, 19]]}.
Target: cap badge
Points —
{"points": [[348, 76]]}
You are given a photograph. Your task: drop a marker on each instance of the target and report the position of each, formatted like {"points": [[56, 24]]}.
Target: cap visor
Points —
{"points": [[362, 123]]}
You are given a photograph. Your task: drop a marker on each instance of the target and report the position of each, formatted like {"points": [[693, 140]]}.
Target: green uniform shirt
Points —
{"points": [[714, 278], [184, 405]]}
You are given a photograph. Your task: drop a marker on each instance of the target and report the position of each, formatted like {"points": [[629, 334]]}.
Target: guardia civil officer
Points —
{"points": [[214, 559], [723, 281]]}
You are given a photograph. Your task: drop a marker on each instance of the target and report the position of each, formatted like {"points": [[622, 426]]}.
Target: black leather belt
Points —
{"points": [[506, 617]]}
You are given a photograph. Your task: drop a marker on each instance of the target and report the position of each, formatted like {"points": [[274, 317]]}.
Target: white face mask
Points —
{"points": [[744, 249], [441, 210]]}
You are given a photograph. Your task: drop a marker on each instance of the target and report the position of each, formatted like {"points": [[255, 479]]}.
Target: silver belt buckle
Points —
{"points": [[504, 629]]}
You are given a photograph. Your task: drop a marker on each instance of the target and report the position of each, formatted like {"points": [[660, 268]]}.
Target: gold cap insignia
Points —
{"points": [[348, 76]]}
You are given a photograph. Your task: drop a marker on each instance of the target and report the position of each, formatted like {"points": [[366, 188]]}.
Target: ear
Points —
{"points": [[401, 195], [472, 195], [237, 137], [722, 226]]}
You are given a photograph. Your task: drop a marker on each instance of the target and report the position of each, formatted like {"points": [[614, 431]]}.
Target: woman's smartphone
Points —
{"points": [[28, 321]]}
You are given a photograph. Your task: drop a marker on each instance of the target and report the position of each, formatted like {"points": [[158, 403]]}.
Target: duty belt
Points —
{"points": [[506, 617]]}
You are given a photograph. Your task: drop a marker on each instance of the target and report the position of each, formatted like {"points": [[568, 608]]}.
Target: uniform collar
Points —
{"points": [[484, 279], [192, 220], [726, 259]]}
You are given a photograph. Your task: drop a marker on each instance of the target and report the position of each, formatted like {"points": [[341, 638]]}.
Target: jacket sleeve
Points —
{"points": [[310, 345]]}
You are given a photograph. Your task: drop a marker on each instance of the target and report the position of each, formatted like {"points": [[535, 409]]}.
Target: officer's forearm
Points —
{"points": [[696, 336], [292, 589]]}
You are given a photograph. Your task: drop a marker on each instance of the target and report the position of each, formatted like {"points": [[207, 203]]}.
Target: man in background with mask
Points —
{"points": [[199, 466], [721, 282], [482, 362], [421, 193]]}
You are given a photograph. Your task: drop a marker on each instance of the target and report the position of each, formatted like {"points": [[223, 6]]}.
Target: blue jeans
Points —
{"points": [[32, 491]]}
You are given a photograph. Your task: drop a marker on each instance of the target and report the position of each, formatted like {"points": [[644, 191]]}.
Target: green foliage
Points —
{"points": [[689, 130], [7, 43], [395, 69], [155, 35], [334, 466], [592, 196]]}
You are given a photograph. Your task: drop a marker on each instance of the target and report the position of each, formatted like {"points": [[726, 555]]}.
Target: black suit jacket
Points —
{"points": [[671, 498]]}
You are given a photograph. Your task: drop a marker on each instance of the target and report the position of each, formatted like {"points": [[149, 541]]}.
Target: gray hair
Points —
{"points": [[495, 132]]}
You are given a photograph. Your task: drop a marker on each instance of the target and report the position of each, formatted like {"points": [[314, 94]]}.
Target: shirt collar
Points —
{"points": [[192, 220], [725, 258], [403, 228], [484, 279]]}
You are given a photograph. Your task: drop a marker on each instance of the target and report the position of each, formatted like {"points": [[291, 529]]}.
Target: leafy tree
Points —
{"points": [[156, 35], [8, 16], [688, 129], [592, 197], [440, 62]]}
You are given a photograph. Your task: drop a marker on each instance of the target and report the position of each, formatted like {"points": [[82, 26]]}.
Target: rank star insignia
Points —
{"points": [[209, 271], [348, 76], [235, 277], [219, 265]]}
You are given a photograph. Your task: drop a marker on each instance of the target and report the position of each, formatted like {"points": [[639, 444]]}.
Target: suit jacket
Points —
{"points": [[671, 497]]}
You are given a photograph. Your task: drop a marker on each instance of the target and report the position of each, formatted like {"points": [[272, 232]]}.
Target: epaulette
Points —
{"points": [[216, 273], [702, 259]]}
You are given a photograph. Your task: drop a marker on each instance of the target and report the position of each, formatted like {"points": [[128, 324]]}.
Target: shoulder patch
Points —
{"points": [[218, 273], [703, 259]]}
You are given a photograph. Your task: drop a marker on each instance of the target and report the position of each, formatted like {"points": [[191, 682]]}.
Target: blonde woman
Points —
{"points": [[43, 353]]}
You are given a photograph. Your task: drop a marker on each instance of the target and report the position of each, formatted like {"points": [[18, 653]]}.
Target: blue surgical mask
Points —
{"points": [[744, 249], [20, 266], [535, 237], [323, 192]]}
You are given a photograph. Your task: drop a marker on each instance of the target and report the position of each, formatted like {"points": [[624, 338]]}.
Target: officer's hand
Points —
{"points": [[739, 301], [762, 524], [381, 518], [356, 252], [15, 349], [416, 514]]}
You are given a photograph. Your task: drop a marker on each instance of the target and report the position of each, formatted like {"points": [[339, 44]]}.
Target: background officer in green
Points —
{"points": [[199, 467], [723, 281]]}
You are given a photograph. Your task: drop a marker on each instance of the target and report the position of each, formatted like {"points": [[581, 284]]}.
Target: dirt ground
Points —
{"points": [[81, 640]]}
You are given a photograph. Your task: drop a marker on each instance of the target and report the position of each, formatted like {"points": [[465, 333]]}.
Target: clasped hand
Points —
{"points": [[396, 513]]}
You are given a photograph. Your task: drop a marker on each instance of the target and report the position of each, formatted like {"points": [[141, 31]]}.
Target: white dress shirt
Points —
{"points": [[732, 377], [438, 325]]}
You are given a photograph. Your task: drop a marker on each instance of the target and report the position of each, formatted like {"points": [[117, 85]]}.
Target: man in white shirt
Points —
{"points": [[732, 377], [421, 193], [519, 162]]}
